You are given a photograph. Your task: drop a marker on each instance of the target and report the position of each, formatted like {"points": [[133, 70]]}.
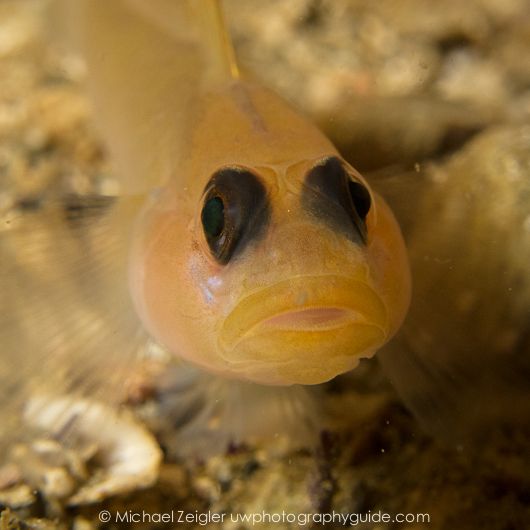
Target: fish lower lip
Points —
{"points": [[328, 302]]}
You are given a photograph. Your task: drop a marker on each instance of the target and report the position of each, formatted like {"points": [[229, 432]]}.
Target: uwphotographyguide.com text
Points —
{"points": [[262, 518]]}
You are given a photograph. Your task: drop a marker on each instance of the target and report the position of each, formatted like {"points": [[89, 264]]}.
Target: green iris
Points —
{"points": [[213, 217]]}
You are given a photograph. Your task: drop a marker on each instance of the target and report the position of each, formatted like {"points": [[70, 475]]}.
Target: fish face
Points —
{"points": [[278, 274]]}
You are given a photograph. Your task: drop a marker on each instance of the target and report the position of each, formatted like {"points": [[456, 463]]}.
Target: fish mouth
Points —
{"points": [[307, 308], [313, 319]]}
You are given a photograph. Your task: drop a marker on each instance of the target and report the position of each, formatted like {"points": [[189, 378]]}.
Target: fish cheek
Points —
{"points": [[388, 261], [161, 286]]}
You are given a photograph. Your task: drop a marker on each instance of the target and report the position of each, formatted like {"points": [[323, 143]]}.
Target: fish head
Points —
{"points": [[274, 269]]}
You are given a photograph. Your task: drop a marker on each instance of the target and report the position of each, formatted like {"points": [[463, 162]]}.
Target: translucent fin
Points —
{"points": [[203, 415], [148, 61], [462, 360], [396, 183], [67, 326]]}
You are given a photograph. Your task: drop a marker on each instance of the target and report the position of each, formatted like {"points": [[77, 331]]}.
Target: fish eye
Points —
{"points": [[336, 197], [361, 199], [235, 212]]}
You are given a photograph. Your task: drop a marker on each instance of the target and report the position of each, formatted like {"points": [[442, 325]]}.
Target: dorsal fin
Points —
{"points": [[148, 62]]}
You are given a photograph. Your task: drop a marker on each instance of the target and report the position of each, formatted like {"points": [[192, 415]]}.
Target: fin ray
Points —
{"points": [[67, 325], [462, 359]]}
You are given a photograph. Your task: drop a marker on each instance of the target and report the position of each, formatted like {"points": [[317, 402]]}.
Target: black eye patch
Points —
{"points": [[334, 197], [235, 212]]}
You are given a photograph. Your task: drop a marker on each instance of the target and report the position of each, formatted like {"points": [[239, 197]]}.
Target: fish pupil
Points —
{"points": [[213, 217]]}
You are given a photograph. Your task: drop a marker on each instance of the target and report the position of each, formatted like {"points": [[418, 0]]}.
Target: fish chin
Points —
{"points": [[286, 357]]}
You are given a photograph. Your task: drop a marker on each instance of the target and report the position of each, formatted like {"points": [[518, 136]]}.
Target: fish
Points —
{"points": [[240, 242], [246, 249]]}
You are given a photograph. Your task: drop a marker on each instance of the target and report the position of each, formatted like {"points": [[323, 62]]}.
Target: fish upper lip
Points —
{"points": [[346, 301]]}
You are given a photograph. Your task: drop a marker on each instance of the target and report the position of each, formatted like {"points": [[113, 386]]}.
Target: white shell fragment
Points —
{"points": [[122, 454]]}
